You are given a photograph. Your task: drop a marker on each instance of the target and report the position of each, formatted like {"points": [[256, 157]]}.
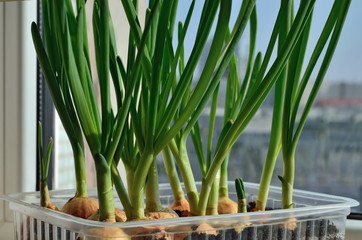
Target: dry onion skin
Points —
{"points": [[120, 216], [227, 206], [82, 207], [182, 207], [163, 214]]}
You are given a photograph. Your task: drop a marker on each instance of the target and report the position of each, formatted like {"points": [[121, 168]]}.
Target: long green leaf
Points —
{"points": [[90, 129], [122, 116], [197, 141], [186, 77], [268, 81], [133, 21], [323, 69], [229, 50], [330, 23], [52, 83], [172, 76]]}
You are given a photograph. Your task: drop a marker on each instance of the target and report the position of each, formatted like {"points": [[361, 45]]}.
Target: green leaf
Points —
{"points": [[172, 76], [91, 131], [123, 112], [156, 69], [52, 84], [281, 178], [114, 67], [135, 28], [269, 80], [232, 86], [239, 186], [226, 56], [197, 141], [40, 150], [253, 31], [186, 77], [103, 72], [212, 118], [342, 13], [47, 158]]}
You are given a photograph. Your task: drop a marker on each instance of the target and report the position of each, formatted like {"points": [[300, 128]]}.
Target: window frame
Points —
{"points": [[45, 111]]}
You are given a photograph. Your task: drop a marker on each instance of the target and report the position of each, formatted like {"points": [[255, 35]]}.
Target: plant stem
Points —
{"points": [[242, 205], [79, 169], [103, 72], [142, 169], [172, 175], [43, 168], [276, 129], [183, 163], [136, 187], [138, 206], [153, 203], [44, 196], [223, 186], [266, 176], [204, 196], [239, 186], [136, 198], [121, 190], [288, 180], [212, 118], [212, 204], [104, 188]]}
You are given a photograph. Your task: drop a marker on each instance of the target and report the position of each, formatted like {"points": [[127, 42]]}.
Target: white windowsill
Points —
{"points": [[353, 229], [7, 230]]}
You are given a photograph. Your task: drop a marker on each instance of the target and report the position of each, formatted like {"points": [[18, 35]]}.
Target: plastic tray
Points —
{"points": [[315, 216]]}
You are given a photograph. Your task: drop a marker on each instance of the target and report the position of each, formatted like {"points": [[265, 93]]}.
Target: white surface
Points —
{"points": [[6, 231], [1, 110], [354, 230], [17, 105]]}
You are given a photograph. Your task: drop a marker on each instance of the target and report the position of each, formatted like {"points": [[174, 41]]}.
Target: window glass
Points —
{"points": [[329, 153]]}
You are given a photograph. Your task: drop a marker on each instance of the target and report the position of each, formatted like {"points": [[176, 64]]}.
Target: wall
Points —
{"points": [[17, 105]]}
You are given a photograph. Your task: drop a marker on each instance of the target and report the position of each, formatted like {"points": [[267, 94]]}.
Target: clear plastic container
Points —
{"points": [[315, 216]]}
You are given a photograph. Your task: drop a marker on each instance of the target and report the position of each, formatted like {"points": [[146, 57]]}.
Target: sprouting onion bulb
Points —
{"points": [[240, 190], [44, 168]]}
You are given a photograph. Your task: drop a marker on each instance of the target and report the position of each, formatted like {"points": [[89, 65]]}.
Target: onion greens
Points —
{"points": [[285, 130], [240, 190], [44, 168], [158, 107]]}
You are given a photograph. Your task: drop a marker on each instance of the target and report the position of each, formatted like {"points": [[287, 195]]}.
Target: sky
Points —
{"points": [[347, 62]]}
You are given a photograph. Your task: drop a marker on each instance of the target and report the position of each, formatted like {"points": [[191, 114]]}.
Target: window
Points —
{"points": [[17, 105], [329, 153]]}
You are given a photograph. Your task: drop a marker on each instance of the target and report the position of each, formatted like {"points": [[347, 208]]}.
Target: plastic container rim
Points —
{"points": [[337, 203]]}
